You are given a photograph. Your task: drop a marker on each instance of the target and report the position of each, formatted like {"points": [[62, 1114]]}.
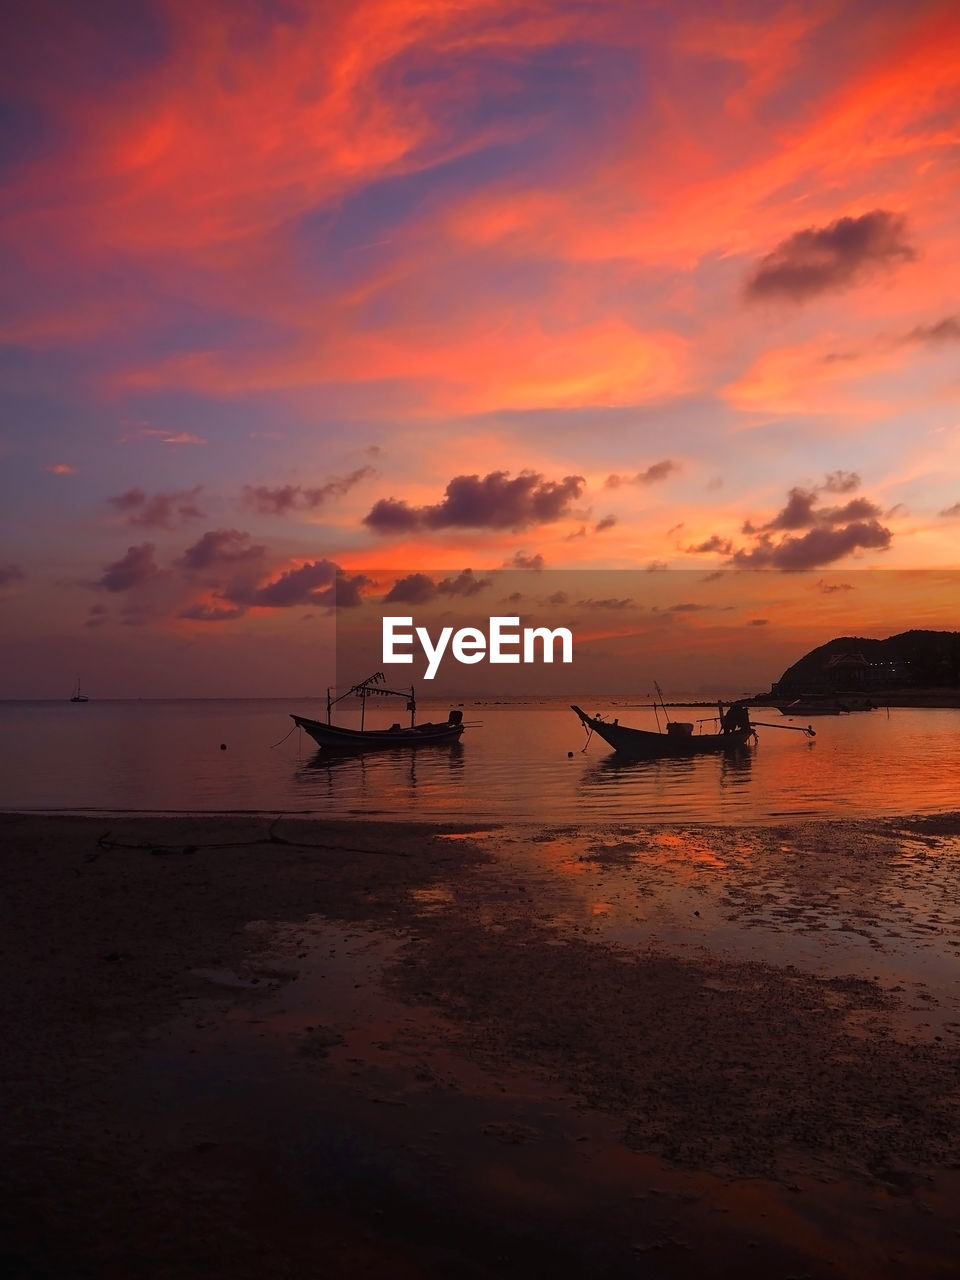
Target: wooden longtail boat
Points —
{"points": [[336, 737], [420, 735], [679, 738]]}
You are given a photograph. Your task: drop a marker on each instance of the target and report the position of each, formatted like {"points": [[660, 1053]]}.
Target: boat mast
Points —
{"points": [[666, 713], [370, 687]]}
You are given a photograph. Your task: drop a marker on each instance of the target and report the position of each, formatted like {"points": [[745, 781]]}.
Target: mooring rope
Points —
{"points": [[271, 837], [285, 737]]}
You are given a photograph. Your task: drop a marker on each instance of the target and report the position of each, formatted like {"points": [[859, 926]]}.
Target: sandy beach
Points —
{"points": [[255, 1047]]}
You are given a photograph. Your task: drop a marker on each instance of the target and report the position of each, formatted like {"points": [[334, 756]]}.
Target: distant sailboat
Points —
{"points": [[78, 696]]}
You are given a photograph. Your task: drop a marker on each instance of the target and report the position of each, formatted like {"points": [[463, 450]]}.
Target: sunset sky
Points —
{"points": [[435, 284]]}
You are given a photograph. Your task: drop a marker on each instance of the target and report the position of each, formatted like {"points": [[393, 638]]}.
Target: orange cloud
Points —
{"points": [[518, 365], [684, 175], [862, 378]]}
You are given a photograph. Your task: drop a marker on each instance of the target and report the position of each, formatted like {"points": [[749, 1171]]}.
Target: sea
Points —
{"points": [[519, 761]]}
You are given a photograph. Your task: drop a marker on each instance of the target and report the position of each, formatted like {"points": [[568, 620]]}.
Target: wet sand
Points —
{"points": [[240, 1047]]}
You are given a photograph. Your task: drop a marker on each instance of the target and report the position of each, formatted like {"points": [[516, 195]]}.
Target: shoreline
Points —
{"points": [[949, 814], [406, 1049]]}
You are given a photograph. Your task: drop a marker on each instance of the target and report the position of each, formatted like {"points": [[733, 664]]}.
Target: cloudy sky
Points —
{"points": [[414, 284]]}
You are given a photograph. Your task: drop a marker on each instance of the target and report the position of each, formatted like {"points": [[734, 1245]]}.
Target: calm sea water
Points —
{"points": [[513, 766]]}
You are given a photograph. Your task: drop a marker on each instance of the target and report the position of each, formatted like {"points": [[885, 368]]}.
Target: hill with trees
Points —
{"points": [[912, 667]]}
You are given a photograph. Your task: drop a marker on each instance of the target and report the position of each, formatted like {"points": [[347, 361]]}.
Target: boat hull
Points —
{"points": [[643, 744], [334, 737]]}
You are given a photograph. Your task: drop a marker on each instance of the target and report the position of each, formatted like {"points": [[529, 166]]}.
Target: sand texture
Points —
{"points": [[245, 1047]]}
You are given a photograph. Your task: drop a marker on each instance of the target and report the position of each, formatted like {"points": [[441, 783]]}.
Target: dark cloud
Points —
{"points": [[797, 514], [606, 523], [162, 511], [945, 330], [657, 566], [688, 607], [131, 570], [713, 543], [348, 589], [558, 598], [221, 547], [389, 515], [494, 502], [759, 622], [522, 561], [951, 513], [272, 502], [609, 602], [840, 357], [320, 582], [415, 588], [210, 613], [658, 471], [292, 497], [841, 481], [831, 532], [311, 583], [497, 502], [830, 588], [464, 584], [419, 588], [10, 573], [939, 334], [802, 512], [819, 546], [856, 509], [819, 259]]}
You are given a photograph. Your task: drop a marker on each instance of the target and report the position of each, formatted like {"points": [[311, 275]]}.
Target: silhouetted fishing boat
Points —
{"points": [[678, 739], [78, 696], [336, 737]]}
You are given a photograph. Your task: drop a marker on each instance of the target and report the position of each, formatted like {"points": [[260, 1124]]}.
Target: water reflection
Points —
{"points": [[671, 788], [522, 764], [729, 769], [382, 778], [736, 768]]}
